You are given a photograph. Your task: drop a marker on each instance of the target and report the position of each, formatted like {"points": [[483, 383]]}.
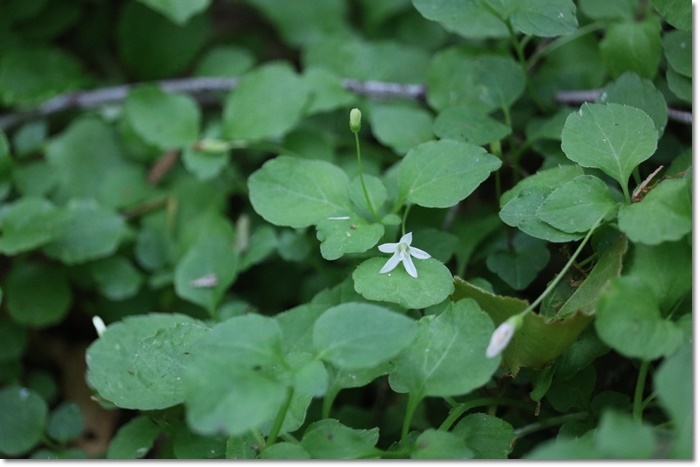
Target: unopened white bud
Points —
{"points": [[502, 335], [99, 325], [355, 120]]}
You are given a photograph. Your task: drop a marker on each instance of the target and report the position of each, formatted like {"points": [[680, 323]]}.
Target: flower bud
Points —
{"points": [[99, 325], [212, 145], [502, 335], [355, 119]]}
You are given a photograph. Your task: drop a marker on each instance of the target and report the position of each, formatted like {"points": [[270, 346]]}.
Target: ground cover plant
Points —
{"points": [[345, 229]]}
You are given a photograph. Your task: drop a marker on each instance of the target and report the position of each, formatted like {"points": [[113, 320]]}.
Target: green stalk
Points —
{"points": [[362, 179], [554, 421], [562, 41], [403, 220], [328, 404], [459, 410], [411, 407], [272, 437], [571, 261], [637, 406]]}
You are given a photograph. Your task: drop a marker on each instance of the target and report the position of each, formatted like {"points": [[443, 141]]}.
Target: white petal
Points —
{"points": [[407, 239], [500, 339], [388, 247], [391, 264], [418, 253], [409, 267], [99, 325]]}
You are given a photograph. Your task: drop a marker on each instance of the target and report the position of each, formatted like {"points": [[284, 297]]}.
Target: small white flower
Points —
{"points": [[502, 335], [99, 325], [402, 254]]}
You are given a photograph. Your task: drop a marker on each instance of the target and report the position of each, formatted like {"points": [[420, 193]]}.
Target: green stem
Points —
{"points": [[362, 179], [272, 437], [495, 147], [554, 421], [638, 407], [403, 220], [411, 407], [626, 192], [517, 47], [328, 404], [460, 409], [637, 176], [556, 280], [562, 41]]}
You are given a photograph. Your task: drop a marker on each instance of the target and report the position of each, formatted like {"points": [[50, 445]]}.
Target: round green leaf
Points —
{"points": [[466, 124], [285, 451], [680, 85], [327, 91], [448, 356], [137, 363], [481, 82], [205, 273], [665, 214], [65, 423], [329, 439], [14, 339], [31, 75], [678, 50], [22, 418], [37, 295], [614, 138], [630, 89], [164, 120], [29, 223], [71, 157], [152, 46], [440, 174], [666, 269], [488, 436], [178, 12], [543, 18], [677, 13], [603, 9], [401, 127], [466, 18], [134, 439], [227, 61], [341, 236], [519, 264], [433, 444], [228, 385], [116, 277], [354, 336], [95, 232], [433, 285], [628, 320], [577, 205], [298, 193], [621, 437], [267, 103], [632, 46], [675, 392]]}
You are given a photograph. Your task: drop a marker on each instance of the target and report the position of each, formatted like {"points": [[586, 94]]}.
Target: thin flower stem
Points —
{"points": [[272, 437], [561, 274], [554, 421], [626, 192], [403, 220], [562, 41], [637, 406], [411, 407], [328, 403], [362, 178], [459, 410]]}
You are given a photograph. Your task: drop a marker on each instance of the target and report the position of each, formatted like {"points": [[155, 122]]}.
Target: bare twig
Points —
{"points": [[206, 88], [591, 95]]}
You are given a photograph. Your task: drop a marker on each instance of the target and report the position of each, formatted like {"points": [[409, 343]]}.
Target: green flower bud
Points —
{"points": [[355, 119]]}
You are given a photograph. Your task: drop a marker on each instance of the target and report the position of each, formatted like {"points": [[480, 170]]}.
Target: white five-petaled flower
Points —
{"points": [[502, 335], [402, 254]]}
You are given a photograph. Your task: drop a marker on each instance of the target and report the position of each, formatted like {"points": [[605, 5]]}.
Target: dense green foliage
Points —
{"points": [[524, 166]]}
